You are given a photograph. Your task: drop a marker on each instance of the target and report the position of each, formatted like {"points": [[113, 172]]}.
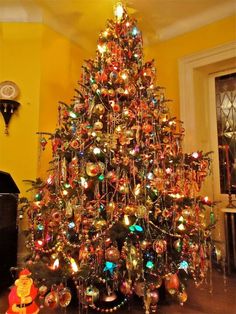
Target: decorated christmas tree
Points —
{"points": [[120, 213]]}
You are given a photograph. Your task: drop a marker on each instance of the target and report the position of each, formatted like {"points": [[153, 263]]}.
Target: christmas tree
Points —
{"points": [[120, 213]]}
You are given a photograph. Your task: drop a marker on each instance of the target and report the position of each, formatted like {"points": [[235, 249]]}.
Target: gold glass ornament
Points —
{"points": [[182, 296], [99, 223], [98, 125], [112, 254], [120, 91], [159, 246], [94, 87], [93, 169], [43, 290], [111, 93], [64, 297], [124, 75], [124, 188], [104, 91], [110, 207], [52, 300], [119, 129], [74, 144], [99, 109]]}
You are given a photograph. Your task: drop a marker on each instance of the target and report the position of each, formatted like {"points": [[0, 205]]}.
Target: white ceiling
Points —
{"points": [[82, 20]]}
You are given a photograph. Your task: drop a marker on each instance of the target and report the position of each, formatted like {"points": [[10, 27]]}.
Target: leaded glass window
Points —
{"points": [[226, 127]]}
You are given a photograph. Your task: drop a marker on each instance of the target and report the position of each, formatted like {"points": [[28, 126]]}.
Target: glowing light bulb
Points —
{"points": [[37, 203], [195, 155], [126, 220], [40, 243], [206, 199], [102, 49], [124, 76], [72, 114], [55, 264], [83, 182], [135, 31], [50, 180], [149, 264], [74, 265], [150, 175], [126, 111], [119, 11], [105, 33], [96, 151], [137, 189], [181, 227], [135, 262]]}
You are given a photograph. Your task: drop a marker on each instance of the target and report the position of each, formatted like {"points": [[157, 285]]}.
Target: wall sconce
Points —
{"points": [[9, 91]]}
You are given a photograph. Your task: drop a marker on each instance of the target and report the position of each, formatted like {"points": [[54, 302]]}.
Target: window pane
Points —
{"points": [[226, 127]]}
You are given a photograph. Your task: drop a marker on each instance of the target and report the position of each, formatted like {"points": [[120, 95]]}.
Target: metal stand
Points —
{"points": [[230, 237]]}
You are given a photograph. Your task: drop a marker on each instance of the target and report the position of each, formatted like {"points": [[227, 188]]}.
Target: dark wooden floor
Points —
{"points": [[222, 300]]}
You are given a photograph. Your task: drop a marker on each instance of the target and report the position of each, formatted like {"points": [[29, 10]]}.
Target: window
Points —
{"points": [[225, 87]]}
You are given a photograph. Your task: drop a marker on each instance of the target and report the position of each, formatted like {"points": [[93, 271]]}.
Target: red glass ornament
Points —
{"points": [[172, 283]]}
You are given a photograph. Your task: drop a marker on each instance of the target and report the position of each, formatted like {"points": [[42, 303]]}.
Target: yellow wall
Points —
{"points": [[19, 62], [46, 66], [167, 53]]}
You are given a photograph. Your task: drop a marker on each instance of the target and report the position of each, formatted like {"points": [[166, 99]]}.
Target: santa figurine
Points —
{"points": [[22, 295]]}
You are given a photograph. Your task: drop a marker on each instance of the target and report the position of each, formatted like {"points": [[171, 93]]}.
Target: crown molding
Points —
{"points": [[197, 21], [14, 12]]}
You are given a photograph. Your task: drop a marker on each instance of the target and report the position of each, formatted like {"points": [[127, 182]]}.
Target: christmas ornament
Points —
{"points": [[109, 266], [126, 287], [159, 246], [99, 109], [182, 297], [52, 300], [112, 254], [172, 283], [64, 297], [91, 295]]}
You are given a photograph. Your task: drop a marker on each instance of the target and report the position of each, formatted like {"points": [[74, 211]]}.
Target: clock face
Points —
{"points": [[8, 90]]}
